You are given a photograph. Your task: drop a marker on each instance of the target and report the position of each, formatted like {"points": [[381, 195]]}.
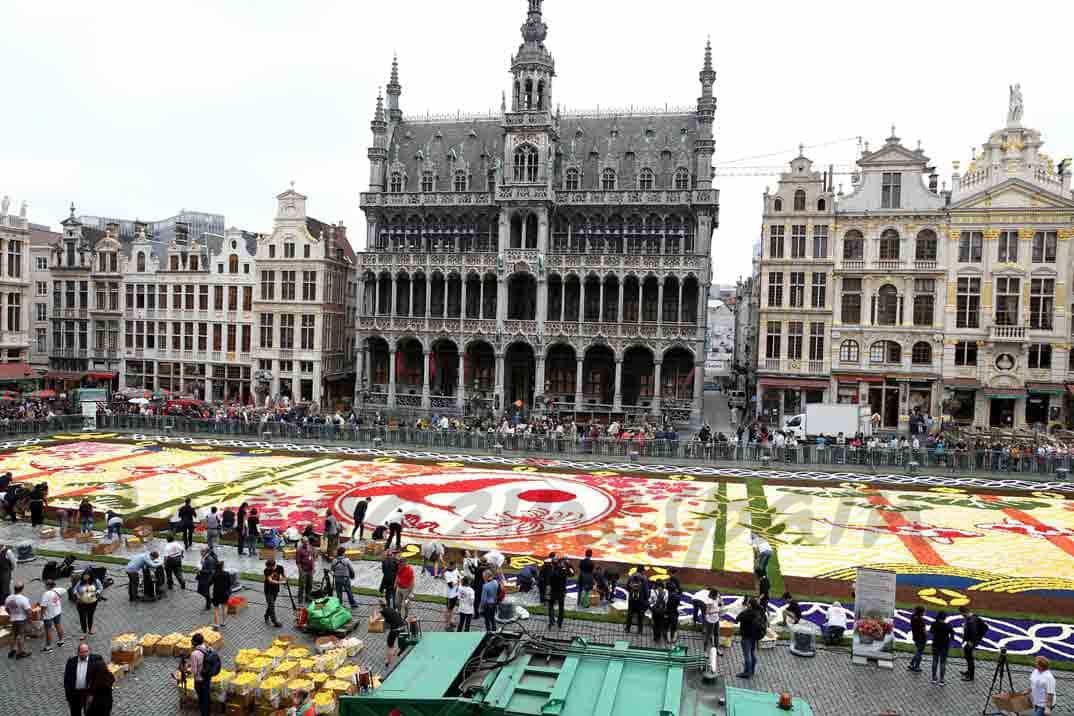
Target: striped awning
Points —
{"points": [[793, 383], [1005, 392], [1047, 388]]}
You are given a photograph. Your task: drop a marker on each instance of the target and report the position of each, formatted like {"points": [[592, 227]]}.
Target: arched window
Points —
{"points": [[777, 205], [396, 184], [526, 163], [885, 352], [799, 200], [853, 246], [889, 245], [141, 261], [682, 179], [607, 180], [821, 205], [518, 94], [573, 180], [925, 245], [426, 182], [233, 263], [529, 95], [460, 180], [849, 352], [646, 179], [921, 353], [887, 305]]}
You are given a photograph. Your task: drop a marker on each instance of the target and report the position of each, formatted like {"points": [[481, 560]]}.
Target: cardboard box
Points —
{"points": [[118, 670], [105, 547], [1015, 702], [131, 658], [4, 618], [375, 625], [355, 553], [374, 548], [48, 533]]}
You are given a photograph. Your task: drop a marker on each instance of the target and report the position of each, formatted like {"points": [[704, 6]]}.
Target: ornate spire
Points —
{"points": [[394, 90], [394, 82], [708, 54], [378, 116], [534, 31]]}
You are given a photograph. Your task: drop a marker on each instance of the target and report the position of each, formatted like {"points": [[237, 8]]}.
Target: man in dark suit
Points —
{"points": [[76, 678]]}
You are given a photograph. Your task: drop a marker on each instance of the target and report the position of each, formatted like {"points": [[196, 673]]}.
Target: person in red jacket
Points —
{"points": [[404, 586]]}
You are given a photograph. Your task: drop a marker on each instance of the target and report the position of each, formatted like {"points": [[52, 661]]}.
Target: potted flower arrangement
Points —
{"points": [[870, 629]]}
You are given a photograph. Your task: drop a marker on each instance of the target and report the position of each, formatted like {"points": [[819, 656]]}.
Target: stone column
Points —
{"points": [[578, 385], [619, 308], [656, 388], [542, 303], [391, 376], [659, 301], [682, 296], [410, 305], [447, 293], [428, 296], [501, 302], [462, 300], [426, 357], [542, 232], [600, 305], [538, 383], [376, 295], [460, 388], [699, 390], [208, 386], [563, 298], [617, 401], [499, 381]]}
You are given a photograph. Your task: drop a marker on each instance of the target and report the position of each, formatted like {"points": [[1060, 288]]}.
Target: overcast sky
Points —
{"points": [[139, 109]]}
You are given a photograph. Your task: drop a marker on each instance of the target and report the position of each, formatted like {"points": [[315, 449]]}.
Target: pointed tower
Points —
{"points": [[395, 90], [533, 67], [378, 152], [706, 115]]}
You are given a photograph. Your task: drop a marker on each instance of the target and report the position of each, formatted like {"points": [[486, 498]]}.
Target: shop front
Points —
{"points": [[1003, 406], [960, 400], [780, 397], [1044, 404]]}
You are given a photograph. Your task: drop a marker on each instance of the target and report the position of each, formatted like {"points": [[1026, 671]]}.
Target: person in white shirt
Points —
{"points": [[1042, 688], [496, 559], [51, 606], [18, 608], [466, 604], [713, 611], [173, 563], [836, 624], [451, 578], [212, 527]]}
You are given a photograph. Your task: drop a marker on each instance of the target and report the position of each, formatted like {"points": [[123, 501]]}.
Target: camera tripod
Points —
{"points": [[1003, 669]]}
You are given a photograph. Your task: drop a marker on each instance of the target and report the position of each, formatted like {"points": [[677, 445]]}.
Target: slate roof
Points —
{"points": [[474, 143]]}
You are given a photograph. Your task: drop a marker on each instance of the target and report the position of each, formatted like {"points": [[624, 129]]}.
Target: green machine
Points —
{"points": [[510, 674]]}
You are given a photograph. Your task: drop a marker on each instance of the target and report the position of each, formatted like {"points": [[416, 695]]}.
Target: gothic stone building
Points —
{"points": [[550, 258]]}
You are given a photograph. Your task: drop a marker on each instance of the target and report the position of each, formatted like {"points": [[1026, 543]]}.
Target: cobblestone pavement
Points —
{"points": [[33, 686]]}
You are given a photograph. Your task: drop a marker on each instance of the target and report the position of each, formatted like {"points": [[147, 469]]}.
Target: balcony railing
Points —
{"points": [[1007, 333], [853, 264], [925, 264], [888, 264]]}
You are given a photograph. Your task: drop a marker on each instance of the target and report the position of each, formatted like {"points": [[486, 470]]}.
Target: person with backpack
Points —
{"points": [[557, 590], [343, 573], [204, 665], [974, 630], [941, 642], [204, 577], [752, 629], [920, 635], [637, 598], [658, 604]]}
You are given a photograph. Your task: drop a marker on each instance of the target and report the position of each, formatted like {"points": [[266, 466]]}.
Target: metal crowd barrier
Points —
{"points": [[663, 449]]}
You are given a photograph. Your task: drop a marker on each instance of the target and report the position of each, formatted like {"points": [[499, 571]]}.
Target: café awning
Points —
{"points": [[1046, 388], [793, 383]]}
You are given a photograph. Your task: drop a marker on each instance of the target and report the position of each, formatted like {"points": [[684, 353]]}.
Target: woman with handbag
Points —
{"points": [[87, 594]]}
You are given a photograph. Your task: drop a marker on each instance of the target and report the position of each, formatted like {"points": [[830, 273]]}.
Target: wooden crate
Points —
{"points": [[132, 658], [105, 547], [376, 624]]}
